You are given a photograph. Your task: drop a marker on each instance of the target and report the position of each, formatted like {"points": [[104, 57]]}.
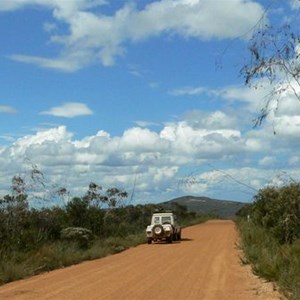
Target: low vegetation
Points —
{"points": [[270, 236], [35, 240]]}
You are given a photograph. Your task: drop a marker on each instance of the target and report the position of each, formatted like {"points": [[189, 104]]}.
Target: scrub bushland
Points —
{"points": [[270, 236], [35, 240]]}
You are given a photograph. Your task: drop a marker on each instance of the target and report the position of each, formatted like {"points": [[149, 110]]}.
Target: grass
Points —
{"points": [[271, 260], [61, 254]]}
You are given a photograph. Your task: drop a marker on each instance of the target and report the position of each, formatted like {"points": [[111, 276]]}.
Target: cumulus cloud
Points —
{"points": [[154, 160], [212, 120], [96, 37], [69, 110], [288, 126], [154, 157]]}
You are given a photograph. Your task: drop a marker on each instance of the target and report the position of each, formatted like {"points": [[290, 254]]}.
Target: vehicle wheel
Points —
{"points": [[149, 241], [179, 236], [170, 239]]}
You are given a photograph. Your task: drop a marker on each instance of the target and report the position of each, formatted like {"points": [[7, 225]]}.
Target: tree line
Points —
{"points": [[98, 214]]}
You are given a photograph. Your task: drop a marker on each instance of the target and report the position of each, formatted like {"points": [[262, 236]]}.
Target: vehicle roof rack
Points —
{"points": [[161, 210]]}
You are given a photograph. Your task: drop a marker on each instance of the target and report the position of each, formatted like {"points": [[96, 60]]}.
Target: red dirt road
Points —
{"points": [[204, 265]]}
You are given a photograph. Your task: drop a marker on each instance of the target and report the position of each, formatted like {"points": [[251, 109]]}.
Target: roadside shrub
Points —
{"points": [[278, 210], [80, 235], [77, 211], [270, 259], [270, 238], [95, 221], [49, 222]]}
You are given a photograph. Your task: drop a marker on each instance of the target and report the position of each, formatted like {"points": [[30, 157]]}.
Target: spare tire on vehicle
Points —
{"points": [[158, 230]]}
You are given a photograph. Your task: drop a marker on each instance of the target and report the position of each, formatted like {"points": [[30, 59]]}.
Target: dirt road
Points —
{"points": [[204, 265]]}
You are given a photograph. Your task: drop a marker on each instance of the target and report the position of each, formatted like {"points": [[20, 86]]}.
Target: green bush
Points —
{"points": [[278, 210], [270, 236]]}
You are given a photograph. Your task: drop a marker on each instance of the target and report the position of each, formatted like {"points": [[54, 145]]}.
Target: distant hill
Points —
{"points": [[222, 208]]}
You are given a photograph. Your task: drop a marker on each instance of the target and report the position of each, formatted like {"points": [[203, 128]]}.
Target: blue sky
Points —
{"points": [[142, 95]]}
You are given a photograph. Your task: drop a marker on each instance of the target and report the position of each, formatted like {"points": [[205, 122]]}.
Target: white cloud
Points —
{"points": [[247, 180], [253, 99], [70, 63], [154, 160], [294, 160], [267, 161], [284, 118], [189, 91], [49, 27], [288, 106], [69, 110], [242, 179], [288, 126], [283, 110], [211, 120], [66, 6], [141, 123], [294, 4], [96, 37], [254, 144], [53, 135], [189, 144], [154, 157], [7, 109], [280, 130]]}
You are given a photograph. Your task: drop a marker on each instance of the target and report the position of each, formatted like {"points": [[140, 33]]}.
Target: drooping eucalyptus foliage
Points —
{"points": [[274, 60]]}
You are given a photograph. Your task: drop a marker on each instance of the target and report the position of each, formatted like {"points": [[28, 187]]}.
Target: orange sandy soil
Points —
{"points": [[204, 265]]}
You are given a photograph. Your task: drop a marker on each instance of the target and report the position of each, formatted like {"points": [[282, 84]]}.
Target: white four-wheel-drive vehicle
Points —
{"points": [[163, 226]]}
